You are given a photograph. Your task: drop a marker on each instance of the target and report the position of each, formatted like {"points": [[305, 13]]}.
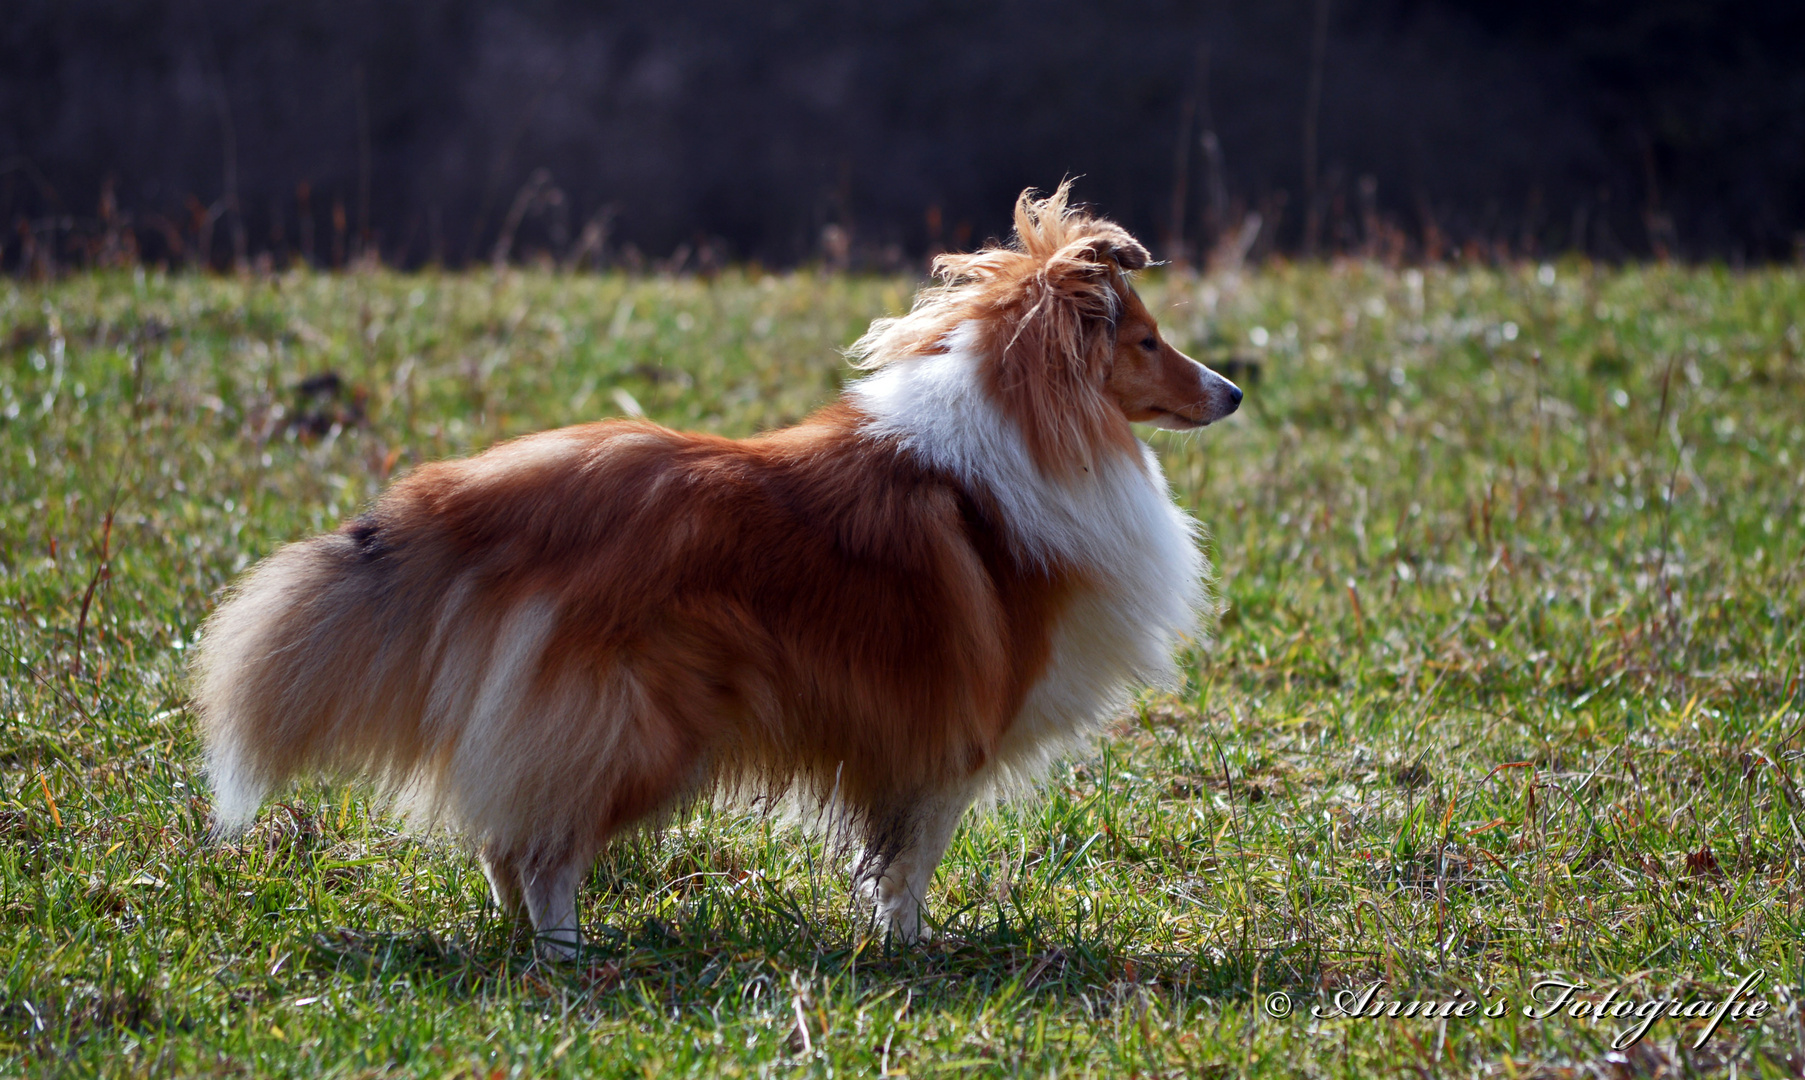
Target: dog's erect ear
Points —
{"points": [[1106, 250], [1112, 243]]}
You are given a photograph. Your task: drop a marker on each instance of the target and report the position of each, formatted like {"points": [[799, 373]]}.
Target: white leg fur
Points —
{"points": [[551, 900], [899, 892]]}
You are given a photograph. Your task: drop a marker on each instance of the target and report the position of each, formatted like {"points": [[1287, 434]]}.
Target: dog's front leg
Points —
{"points": [[894, 870], [551, 900]]}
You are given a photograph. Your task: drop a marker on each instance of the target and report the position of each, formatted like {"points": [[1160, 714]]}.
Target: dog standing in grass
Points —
{"points": [[920, 594]]}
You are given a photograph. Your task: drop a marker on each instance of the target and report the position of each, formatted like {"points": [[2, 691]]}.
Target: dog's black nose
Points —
{"points": [[1234, 396]]}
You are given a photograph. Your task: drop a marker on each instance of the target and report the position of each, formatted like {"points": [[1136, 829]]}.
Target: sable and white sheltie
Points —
{"points": [[920, 594]]}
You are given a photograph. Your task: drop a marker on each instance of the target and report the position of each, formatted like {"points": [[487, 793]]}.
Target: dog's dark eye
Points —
{"points": [[1149, 344]]}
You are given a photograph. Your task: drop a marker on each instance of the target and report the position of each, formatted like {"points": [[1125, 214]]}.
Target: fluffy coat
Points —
{"points": [[924, 591]]}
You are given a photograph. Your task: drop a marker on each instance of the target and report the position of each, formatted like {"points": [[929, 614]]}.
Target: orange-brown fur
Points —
{"points": [[568, 634]]}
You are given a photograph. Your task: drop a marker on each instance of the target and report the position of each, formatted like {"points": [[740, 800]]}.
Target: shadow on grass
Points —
{"points": [[747, 948]]}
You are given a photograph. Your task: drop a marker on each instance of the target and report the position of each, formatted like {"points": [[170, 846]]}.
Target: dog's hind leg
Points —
{"points": [[550, 889], [901, 855]]}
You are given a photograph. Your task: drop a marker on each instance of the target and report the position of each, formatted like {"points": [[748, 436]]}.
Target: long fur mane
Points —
{"points": [[1047, 303]]}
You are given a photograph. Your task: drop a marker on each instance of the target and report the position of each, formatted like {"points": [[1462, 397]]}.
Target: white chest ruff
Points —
{"points": [[1119, 524]]}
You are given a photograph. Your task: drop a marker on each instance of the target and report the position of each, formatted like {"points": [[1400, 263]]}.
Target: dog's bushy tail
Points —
{"points": [[304, 668]]}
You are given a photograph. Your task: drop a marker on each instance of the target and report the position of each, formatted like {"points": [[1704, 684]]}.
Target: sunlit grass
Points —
{"points": [[1506, 686]]}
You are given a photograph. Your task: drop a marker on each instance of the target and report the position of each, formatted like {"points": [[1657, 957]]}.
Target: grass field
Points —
{"points": [[1505, 688]]}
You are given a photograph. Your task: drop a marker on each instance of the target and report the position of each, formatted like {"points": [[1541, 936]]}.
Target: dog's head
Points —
{"points": [[1154, 383], [1070, 351]]}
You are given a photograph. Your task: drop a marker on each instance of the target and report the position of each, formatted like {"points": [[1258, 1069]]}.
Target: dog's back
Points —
{"points": [[566, 633]]}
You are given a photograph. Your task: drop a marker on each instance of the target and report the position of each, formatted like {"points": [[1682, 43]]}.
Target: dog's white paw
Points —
{"points": [[560, 946], [905, 924], [897, 909]]}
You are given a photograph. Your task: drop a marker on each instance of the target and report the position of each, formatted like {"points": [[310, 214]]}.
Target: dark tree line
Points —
{"points": [[695, 132]]}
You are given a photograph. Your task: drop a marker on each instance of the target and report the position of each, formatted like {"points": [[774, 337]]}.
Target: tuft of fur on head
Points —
{"points": [[1045, 306]]}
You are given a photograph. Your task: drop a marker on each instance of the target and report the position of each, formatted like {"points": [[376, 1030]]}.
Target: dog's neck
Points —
{"points": [[935, 406]]}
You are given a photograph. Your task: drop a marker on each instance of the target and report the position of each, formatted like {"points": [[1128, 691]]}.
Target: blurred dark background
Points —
{"points": [[695, 132]]}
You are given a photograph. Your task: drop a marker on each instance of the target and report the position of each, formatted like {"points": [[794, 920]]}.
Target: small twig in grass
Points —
{"points": [[102, 570], [1496, 769], [49, 799], [1230, 781], [87, 597]]}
